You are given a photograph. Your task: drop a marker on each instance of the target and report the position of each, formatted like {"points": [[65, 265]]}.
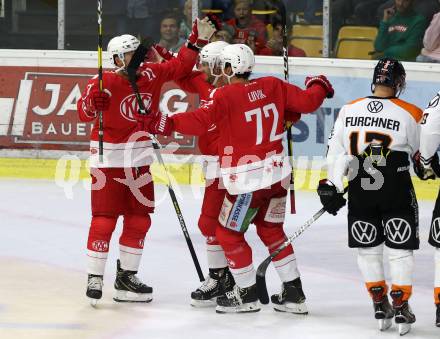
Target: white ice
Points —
{"points": [[42, 281]]}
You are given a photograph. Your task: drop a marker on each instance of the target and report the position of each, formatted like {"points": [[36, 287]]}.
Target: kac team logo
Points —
{"points": [[129, 105], [398, 230], [435, 230], [364, 232], [100, 246]]}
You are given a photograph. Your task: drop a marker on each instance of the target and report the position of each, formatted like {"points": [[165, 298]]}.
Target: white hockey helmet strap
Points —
{"points": [[120, 45], [240, 57]]}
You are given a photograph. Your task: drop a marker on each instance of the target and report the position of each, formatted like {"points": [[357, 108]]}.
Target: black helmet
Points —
{"points": [[389, 72]]}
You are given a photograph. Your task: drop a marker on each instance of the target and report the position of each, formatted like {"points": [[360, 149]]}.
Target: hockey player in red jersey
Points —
{"points": [[250, 116], [203, 82], [121, 184]]}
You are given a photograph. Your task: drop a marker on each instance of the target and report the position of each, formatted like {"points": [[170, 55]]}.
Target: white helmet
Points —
{"points": [[210, 54], [120, 45], [240, 57]]}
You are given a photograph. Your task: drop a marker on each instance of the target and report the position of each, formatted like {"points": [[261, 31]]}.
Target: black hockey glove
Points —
{"points": [[426, 170], [332, 201]]}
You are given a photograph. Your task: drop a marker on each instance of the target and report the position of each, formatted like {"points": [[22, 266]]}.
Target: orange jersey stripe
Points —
{"points": [[415, 112]]}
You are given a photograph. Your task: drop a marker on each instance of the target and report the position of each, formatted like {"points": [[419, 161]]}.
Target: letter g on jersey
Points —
{"points": [[363, 232], [398, 230], [435, 230]]}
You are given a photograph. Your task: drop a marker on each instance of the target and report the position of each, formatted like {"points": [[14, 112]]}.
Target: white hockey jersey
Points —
{"points": [[391, 122], [430, 131]]}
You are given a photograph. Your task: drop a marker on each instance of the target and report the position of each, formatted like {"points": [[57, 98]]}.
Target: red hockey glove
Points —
{"points": [[99, 101], [158, 123], [323, 82], [202, 31], [163, 52]]}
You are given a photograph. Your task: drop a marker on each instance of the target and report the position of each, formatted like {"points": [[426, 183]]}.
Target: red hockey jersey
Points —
{"points": [[208, 142], [123, 147], [250, 118]]}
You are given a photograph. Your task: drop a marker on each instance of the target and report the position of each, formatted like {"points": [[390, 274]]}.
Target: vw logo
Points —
{"points": [[398, 230], [375, 106], [435, 229], [129, 105], [364, 232]]}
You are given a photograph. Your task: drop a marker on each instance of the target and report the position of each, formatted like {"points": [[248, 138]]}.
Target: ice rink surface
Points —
{"points": [[43, 280]]}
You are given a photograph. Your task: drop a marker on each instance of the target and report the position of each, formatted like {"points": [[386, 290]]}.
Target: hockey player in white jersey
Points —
{"points": [[426, 166], [371, 142]]}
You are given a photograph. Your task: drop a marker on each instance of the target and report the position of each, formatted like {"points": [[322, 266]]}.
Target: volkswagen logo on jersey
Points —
{"points": [[375, 106], [435, 230], [129, 105], [398, 230], [363, 232]]}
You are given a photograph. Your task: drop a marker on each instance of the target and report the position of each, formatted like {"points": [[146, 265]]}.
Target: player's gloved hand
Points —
{"points": [[156, 123], [163, 52], [202, 31], [331, 199], [426, 171], [99, 101], [323, 82]]}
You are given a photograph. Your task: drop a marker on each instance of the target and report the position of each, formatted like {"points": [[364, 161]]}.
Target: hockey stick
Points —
{"points": [[136, 60], [282, 10], [262, 268], [101, 85]]}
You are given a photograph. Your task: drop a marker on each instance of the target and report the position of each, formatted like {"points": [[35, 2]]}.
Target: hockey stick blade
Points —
{"points": [[263, 296]]}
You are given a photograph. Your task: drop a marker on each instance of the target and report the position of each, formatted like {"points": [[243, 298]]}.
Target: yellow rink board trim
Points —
{"points": [[190, 173]]}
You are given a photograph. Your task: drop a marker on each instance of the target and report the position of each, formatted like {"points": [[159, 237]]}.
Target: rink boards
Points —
{"points": [[39, 123]]}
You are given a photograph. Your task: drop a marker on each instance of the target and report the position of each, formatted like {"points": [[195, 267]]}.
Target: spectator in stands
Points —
{"points": [[143, 16], [247, 29], [225, 34], [274, 45], [427, 8], [364, 12], [431, 42], [169, 33], [186, 24], [400, 32]]}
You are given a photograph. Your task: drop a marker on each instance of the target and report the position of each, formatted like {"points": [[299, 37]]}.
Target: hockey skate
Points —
{"points": [[291, 298], [94, 288], [218, 282], [403, 313], [383, 310], [239, 300], [128, 287]]}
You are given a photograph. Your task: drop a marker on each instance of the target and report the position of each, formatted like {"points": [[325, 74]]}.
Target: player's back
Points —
{"points": [[253, 122], [391, 122]]}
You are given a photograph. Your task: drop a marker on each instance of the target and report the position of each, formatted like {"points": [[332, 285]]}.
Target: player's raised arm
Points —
{"points": [[182, 65], [306, 101]]}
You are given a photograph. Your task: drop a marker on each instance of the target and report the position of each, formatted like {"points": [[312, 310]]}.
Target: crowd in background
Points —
{"points": [[408, 29]]}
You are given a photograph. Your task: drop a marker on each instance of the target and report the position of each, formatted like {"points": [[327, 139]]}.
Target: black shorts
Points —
{"points": [[434, 234], [386, 214]]}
